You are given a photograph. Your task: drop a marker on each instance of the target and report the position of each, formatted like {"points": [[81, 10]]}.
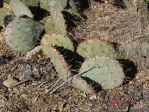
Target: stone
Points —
{"points": [[10, 82]]}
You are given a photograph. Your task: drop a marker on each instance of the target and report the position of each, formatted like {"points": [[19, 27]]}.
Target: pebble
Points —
{"points": [[10, 82], [93, 97], [25, 96]]}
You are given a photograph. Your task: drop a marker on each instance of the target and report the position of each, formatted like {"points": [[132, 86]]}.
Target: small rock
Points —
{"points": [[9, 82], [25, 96], [93, 97]]}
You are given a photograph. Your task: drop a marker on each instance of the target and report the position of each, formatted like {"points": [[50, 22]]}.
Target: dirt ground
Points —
{"points": [[132, 96]]}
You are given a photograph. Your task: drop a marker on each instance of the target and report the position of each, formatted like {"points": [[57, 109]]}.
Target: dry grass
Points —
{"points": [[108, 22]]}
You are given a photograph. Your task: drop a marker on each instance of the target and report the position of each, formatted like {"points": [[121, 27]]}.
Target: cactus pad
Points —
{"points": [[58, 61], [134, 6], [56, 40], [22, 34], [3, 13], [61, 4], [96, 47], [50, 25], [130, 5], [105, 71], [20, 9], [82, 85], [59, 20], [30, 2]]}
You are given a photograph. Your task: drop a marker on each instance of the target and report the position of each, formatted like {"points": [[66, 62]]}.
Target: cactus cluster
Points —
{"points": [[100, 58], [23, 32], [63, 69]]}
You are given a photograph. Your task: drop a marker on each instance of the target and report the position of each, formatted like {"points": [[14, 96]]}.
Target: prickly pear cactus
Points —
{"points": [[22, 34], [135, 6], [30, 2], [50, 25], [55, 7], [59, 20], [56, 40], [105, 71], [64, 71], [80, 83], [130, 5], [60, 3], [61, 66], [58, 61], [20, 9], [3, 13], [96, 47], [46, 4], [27, 2]]}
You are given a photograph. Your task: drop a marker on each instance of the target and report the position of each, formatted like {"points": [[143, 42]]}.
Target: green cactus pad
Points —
{"points": [[134, 49], [58, 40], [55, 7], [58, 61], [60, 3], [80, 83], [20, 9], [136, 6], [27, 2], [130, 5], [3, 13], [22, 34], [96, 47], [105, 71], [50, 25], [30, 2], [46, 4], [59, 20]]}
